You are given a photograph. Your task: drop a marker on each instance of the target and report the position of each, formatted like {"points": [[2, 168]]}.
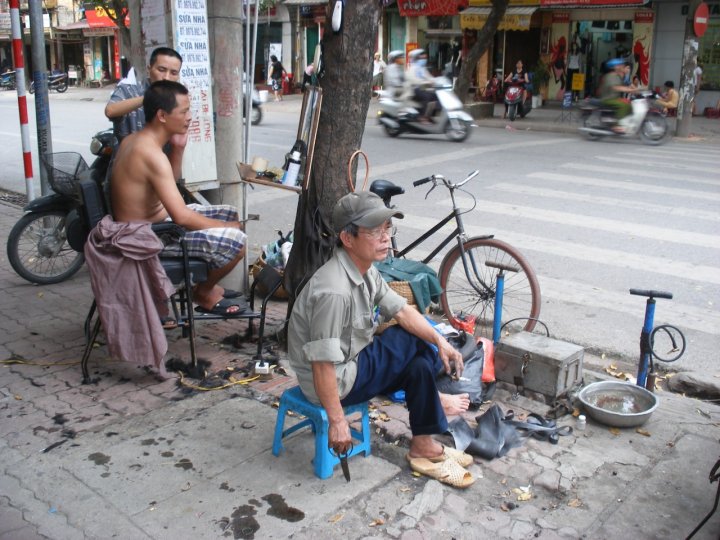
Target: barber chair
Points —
{"points": [[183, 272]]}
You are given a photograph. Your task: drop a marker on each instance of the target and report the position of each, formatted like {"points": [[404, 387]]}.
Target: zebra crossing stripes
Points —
{"points": [[625, 185], [640, 206], [628, 171], [685, 166]]}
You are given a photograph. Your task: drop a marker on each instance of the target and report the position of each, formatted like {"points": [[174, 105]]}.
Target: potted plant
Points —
{"points": [[540, 79]]}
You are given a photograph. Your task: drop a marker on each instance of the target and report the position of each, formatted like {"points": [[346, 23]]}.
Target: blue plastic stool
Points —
{"points": [[316, 417]]}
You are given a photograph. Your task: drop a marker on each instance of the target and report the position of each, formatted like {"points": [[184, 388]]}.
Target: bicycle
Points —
{"points": [[469, 286], [646, 375]]}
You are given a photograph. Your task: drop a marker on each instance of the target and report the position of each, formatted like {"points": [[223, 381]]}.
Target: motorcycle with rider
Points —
{"points": [[415, 102]]}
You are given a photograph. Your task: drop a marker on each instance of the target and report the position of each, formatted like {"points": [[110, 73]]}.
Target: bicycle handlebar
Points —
{"points": [[651, 293], [435, 177], [422, 181]]}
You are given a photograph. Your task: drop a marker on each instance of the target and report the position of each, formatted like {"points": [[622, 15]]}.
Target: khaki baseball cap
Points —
{"points": [[364, 209]]}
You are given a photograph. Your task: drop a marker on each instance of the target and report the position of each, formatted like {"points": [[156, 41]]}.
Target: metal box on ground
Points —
{"points": [[539, 364]]}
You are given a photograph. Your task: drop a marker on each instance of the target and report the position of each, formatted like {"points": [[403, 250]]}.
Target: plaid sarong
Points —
{"points": [[217, 246]]}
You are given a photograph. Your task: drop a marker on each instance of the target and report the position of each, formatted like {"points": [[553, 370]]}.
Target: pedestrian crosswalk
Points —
{"points": [[593, 230]]}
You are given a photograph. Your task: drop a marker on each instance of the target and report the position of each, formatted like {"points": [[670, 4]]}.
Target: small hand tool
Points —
{"points": [[344, 462]]}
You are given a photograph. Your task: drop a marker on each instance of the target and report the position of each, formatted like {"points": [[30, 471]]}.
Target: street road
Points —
{"points": [[593, 218]]}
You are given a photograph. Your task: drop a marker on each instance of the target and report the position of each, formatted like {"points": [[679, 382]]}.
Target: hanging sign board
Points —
{"points": [[578, 82], [190, 31]]}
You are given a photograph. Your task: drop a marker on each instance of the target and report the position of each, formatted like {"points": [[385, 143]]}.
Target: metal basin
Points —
{"points": [[618, 404]]}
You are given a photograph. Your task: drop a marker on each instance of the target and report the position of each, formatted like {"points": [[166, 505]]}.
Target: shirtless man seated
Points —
{"points": [[143, 189]]}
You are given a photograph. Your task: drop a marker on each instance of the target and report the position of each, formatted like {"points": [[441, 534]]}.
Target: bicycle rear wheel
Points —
{"points": [[476, 295]]}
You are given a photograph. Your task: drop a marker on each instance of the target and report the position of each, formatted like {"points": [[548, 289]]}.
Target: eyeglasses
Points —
{"points": [[378, 232]]}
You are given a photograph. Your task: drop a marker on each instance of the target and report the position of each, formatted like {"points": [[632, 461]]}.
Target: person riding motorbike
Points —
{"points": [[612, 89], [518, 76], [419, 80], [394, 74]]}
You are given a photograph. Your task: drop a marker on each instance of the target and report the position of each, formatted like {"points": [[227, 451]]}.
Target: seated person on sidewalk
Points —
{"points": [[337, 360], [670, 98], [143, 189]]}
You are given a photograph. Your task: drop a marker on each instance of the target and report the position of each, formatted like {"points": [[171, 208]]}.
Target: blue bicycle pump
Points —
{"points": [[646, 351], [499, 292]]}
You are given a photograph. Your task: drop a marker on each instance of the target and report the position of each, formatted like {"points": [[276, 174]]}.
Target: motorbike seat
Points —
{"points": [[385, 189]]}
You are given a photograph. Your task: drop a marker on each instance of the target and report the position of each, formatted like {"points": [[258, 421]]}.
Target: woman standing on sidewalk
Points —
{"points": [[277, 71]]}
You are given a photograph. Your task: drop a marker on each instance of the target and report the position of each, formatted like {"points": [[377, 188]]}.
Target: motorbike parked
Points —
{"points": [[58, 82], [256, 112], [514, 101], [398, 117], [7, 80], [646, 120], [46, 245]]}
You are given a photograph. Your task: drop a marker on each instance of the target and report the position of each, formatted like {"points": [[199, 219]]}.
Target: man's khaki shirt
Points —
{"points": [[334, 318]]}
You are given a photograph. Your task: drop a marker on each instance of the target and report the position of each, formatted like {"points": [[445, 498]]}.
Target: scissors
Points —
{"points": [[342, 456]]}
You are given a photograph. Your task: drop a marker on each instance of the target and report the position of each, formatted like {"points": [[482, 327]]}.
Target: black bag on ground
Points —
{"points": [[496, 432], [474, 359]]}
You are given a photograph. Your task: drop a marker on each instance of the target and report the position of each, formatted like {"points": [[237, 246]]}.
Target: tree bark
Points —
{"points": [[346, 86], [686, 88], [484, 39]]}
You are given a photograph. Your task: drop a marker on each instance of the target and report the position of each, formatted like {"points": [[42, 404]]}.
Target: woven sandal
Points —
{"points": [[447, 471], [461, 458]]}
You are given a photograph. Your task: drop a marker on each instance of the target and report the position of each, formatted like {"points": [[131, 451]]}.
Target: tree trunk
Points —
{"points": [[484, 39], [346, 86], [686, 88]]}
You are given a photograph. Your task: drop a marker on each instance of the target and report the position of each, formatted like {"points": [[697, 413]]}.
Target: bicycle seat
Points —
{"points": [[385, 189]]}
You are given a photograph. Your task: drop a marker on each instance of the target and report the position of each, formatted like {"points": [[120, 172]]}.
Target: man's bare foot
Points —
{"points": [[454, 404]]}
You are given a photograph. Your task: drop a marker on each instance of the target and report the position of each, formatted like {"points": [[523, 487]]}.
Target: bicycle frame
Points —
{"points": [[458, 233]]}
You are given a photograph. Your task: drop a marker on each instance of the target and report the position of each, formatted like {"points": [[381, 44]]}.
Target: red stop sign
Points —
{"points": [[700, 19]]}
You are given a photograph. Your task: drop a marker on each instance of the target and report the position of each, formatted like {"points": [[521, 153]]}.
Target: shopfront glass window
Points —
{"points": [[709, 56]]}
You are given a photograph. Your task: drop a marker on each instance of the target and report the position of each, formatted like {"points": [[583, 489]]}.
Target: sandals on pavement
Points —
{"points": [[229, 293], [447, 471], [223, 306], [461, 458]]}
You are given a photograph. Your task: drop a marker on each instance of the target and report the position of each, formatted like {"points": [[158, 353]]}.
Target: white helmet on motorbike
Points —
{"points": [[415, 54], [394, 55]]}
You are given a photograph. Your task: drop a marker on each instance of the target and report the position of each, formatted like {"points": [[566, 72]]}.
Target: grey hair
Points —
{"points": [[351, 229]]}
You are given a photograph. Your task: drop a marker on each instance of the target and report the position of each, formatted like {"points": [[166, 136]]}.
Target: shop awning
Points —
{"points": [[592, 3], [515, 18], [304, 2], [430, 8]]}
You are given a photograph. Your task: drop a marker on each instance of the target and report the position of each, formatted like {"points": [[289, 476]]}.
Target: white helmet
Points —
{"points": [[394, 55], [415, 54]]}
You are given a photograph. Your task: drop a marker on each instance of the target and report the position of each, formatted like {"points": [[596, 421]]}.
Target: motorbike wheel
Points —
{"points": [[653, 129], [32, 88], [457, 130], [512, 112], [592, 120], [38, 250], [62, 87], [391, 131], [255, 116]]}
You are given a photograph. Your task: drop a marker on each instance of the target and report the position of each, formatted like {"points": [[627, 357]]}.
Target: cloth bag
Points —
{"points": [[497, 433]]}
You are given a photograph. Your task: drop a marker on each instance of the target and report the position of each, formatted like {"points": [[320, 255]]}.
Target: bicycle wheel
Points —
{"points": [[38, 251], [476, 295]]}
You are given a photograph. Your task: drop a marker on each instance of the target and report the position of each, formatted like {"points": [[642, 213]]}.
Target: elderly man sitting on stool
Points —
{"points": [[339, 361]]}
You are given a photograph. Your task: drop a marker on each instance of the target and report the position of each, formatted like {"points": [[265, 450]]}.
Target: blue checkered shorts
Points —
{"points": [[218, 246]]}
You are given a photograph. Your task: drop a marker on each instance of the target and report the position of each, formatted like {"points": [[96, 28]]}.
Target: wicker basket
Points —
{"points": [[259, 264], [404, 290]]}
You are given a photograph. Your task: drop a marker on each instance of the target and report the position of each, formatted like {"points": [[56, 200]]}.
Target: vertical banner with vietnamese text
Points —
{"points": [[559, 35], [642, 44], [191, 41]]}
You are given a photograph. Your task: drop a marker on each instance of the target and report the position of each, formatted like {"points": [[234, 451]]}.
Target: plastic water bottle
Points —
{"points": [[581, 423], [291, 174]]}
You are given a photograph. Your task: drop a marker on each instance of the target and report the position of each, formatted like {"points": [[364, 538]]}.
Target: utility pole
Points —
{"points": [[226, 25], [687, 76], [39, 75]]}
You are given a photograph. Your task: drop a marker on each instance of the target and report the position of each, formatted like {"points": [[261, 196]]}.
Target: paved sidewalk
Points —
{"points": [[143, 458]]}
